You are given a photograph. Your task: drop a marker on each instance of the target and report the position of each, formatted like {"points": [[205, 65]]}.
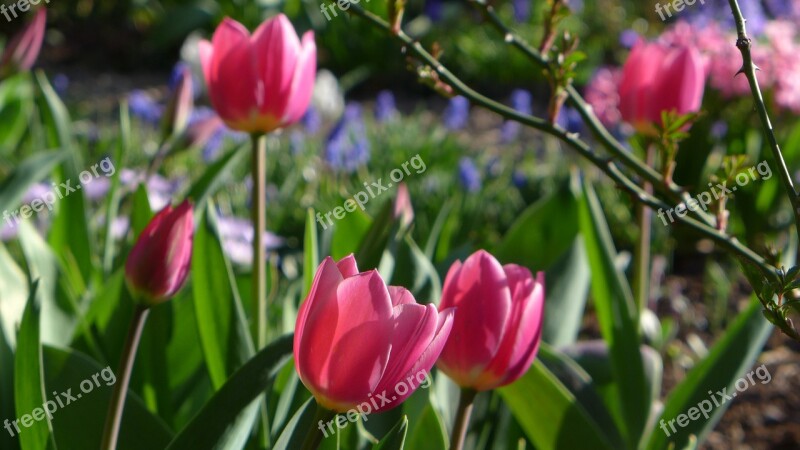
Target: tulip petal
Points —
{"points": [[356, 364], [680, 83], [482, 296], [416, 375], [312, 346], [520, 343], [414, 328], [347, 266], [303, 82], [638, 76], [401, 296], [276, 47], [337, 311], [450, 286], [232, 80]]}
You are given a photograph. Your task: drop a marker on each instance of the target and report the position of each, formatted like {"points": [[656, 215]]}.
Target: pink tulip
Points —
{"points": [[498, 327], [659, 78], [261, 83], [23, 49], [358, 341], [158, 264]]}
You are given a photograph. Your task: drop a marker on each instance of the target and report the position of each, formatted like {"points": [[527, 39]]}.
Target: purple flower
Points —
{"points": [[469, 175], [521, 102], [456, 115], [312, 120], [385, 107], [143, 106], [433, 9], [237, 239], [628, 38], [60, 83], [347, 147], [522, 10], [570, 119], [518, 179]]}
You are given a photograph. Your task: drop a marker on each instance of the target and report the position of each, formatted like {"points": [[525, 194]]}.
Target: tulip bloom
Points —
{"points": [[261, 83], [498, 327], [356, 337], [659, 78], [23, 49], [158, 264]]}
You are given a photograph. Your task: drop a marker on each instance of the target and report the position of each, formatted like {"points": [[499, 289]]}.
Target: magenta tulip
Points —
{"points": [[358, 340], [498, 327], [23, 49], [658, 78], [158, 264], [261, 83]]}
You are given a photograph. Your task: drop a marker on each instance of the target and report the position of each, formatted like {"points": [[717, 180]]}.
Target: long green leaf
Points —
{"points": [[29, 387], [310, 252], [396, 437], [67, 372], [30, 171], [220, 315], [208, 429], [549, 414], [567, 290], [731, 358], [616, 314], [214, 176]]}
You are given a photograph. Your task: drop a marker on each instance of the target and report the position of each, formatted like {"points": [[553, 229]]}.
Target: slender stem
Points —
{"points": [[749, 70], [641, 268], [315, 433], [459, 434], [259, 168], [605, 165], [115, 408]]}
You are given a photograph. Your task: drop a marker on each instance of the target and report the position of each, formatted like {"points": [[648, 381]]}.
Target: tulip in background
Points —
{"points": [[155, 271], [258, 84], [658, 78], [262, 82], [21, 52], [356, 337], [496, 331]]}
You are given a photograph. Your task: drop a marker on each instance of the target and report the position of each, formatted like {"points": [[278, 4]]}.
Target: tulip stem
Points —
{"points": [[459, 434], [749, 68], [314, 435], [259, 168], [115, 408], [644, 219]]}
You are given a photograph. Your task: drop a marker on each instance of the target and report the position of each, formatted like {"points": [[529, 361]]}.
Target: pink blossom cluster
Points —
{"points": [[776, 53]]}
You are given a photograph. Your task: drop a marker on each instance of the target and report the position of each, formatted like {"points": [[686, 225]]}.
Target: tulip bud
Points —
{"points": [[21, 52], [179, 108], [497, 329], [358, 340], [403, 209], [262, 82], [657, 78], [158, 264]]}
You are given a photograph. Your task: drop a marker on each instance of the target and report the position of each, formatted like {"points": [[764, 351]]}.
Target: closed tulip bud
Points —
{"points": [[657, 78], [179, 108], [21, 52], [497, 329], [358, 341], [262, 82], [158, 264]]}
